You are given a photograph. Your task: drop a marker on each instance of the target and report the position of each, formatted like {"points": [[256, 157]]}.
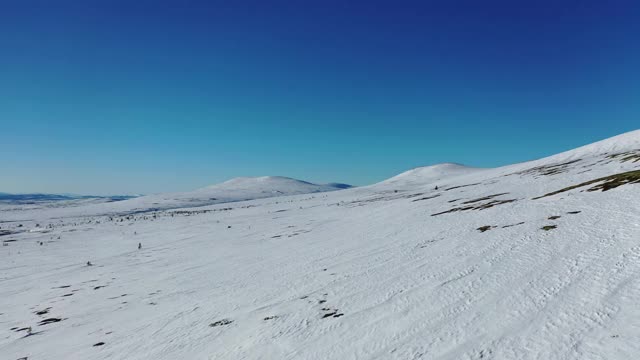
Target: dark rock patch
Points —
{"points": [[426, 198], [331, 313], [485, 228], [49, 321], [489, 197], [221, 323], [461, 186], [508, 226], [483, 206], [42, 312]]}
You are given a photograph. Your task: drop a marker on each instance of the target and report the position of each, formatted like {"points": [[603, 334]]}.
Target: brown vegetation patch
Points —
{"points": [[547, 170], [461, 186], [632, 156], [426, 198], [483, 206], [489, 197], [605, 183], [508, 226]]}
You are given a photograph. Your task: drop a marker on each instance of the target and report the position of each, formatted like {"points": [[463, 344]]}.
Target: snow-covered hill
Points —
{"points": [[429, 174], [238, 189], [268, 185], [537, 260]]}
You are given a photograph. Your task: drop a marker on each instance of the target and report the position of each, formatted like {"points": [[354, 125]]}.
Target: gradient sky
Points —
{"points": [[104, 97]]}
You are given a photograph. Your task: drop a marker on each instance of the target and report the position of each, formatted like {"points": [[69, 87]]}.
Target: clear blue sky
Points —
{"points": [[104, 97]]}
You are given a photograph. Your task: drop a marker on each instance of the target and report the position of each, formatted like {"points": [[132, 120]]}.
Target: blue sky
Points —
{"points": [[103, 97]]}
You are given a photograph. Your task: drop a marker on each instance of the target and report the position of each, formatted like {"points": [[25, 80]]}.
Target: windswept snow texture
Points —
{"points": [[477, 269]]}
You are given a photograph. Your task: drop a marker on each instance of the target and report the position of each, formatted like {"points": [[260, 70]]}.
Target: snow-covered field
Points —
{"points": [[483, 267]]}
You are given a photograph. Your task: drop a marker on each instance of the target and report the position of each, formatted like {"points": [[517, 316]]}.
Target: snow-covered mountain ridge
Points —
{"points": [[537, 260]]}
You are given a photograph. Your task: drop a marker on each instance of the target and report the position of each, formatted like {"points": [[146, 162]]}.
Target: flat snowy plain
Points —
{"points": [[484, 267]]}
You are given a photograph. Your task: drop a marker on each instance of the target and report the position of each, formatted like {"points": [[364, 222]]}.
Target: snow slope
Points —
{"points": [[538, 260], [429, 174]]}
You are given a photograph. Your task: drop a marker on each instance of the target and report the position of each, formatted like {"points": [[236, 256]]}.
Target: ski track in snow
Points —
{"points": [[363, 273]]}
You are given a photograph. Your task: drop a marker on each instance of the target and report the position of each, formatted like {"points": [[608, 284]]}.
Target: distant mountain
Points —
{"points": [[36, 198], [271, 184], [32, 197], [339, 185]]}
